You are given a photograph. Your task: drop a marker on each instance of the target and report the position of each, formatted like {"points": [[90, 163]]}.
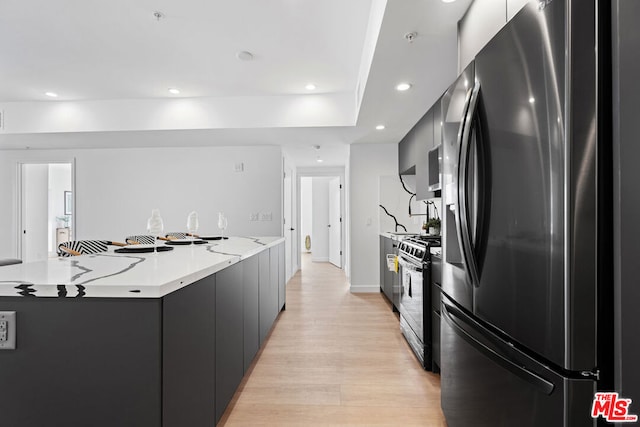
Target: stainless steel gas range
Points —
{"points": [[414, 258]]}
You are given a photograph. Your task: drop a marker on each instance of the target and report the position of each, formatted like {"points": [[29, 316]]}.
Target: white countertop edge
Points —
{"points": [[140, 290]]}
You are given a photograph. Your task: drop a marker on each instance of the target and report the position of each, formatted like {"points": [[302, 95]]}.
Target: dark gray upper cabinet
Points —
{"points": [[413, 150], [424, 144], [438, 122], [407, 155]]}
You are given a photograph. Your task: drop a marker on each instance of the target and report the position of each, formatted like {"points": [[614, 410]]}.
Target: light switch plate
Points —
{"points": [[266, 216], [8, 332]]}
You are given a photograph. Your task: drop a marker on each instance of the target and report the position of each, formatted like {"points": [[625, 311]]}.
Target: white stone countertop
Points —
{"points": [[128, 275]]}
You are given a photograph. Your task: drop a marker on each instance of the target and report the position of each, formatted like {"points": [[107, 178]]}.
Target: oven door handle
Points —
{"points": [[409, 266]]}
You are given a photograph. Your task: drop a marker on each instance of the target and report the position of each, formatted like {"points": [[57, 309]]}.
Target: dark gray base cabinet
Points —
{"points": [[189, 355], [387, 278], [170, 362], [82, 362], [229, 335], [268, 272], [251, 309]]}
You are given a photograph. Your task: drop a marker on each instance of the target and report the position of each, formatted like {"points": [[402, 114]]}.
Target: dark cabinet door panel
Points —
{"points": [[251, 320], [188, 355], [229, 335]]}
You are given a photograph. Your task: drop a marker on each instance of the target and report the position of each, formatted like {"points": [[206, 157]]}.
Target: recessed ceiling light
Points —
{"points": [[174, 91], [244, 55], [310, 86], [319, 160], [448, 1], [403, 86], [532, 100], [51, 94], [379, 127]]}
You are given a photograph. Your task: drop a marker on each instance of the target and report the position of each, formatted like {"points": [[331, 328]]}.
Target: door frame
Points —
{"points": [[290, 246], [19, 188], [340, 230], [310, 172]]}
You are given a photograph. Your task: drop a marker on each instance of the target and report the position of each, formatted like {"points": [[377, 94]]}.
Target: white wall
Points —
{"points": [[367, 162], [115, 189], [320, 219], [306, 211]]}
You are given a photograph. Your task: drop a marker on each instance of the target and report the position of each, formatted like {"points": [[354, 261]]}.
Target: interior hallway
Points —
{"points": [[335, 358]]}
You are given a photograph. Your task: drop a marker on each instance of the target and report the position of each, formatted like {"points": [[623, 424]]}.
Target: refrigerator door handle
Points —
{"points": [[449, 313], [462, 205], [460, 231]]}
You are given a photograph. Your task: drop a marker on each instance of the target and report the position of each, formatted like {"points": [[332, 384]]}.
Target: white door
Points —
{"points": [[35, 212], [289, 229], [335, 223]]}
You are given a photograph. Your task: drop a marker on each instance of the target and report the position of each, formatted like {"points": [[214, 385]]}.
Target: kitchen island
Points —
{"points": [[137, 339]]}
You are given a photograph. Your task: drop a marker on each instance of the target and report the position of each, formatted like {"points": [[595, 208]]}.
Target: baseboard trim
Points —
{"points": [[364, 289]]}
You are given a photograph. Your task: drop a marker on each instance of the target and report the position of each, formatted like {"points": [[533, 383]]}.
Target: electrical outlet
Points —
{"points": [[7, 330], [239, 167], [3, 330], [266, 216]]}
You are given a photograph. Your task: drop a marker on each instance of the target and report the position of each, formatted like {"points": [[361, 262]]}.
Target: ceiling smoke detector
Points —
{"points": [[410, 37], [317, 147]]}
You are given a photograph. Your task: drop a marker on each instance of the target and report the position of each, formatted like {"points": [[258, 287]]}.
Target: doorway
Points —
{"points": [[46, 209], [321, 225]]}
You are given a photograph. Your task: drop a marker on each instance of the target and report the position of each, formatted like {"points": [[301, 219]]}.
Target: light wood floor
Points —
{"points": [[335, 358]]}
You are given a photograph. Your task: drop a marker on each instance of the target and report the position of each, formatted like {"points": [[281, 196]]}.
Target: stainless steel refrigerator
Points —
{"points": [[527, 323]]}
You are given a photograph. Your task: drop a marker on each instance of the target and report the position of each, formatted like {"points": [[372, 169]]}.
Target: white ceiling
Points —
{"points": [[112, 62]]}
